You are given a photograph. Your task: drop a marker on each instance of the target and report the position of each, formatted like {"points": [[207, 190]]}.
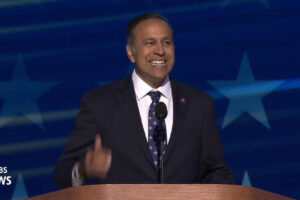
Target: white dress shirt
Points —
{"points": [[141, 89]]}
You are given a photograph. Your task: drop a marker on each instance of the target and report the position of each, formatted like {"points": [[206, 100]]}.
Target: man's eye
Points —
{"points": [[168, 42], [148, 43]]}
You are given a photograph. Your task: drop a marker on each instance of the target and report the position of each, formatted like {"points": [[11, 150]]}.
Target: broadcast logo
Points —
{"points": [[4, 180]]}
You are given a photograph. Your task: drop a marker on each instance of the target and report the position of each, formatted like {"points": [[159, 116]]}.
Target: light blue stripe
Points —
{"points": [[56, 51], [52, 25], [47, 116], [261, 144], [256, 88], [10, 3], [26, 173], [32, 146]]}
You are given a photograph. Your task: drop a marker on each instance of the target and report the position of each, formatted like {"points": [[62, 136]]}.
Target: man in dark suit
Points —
{"points": [[114, 135]]}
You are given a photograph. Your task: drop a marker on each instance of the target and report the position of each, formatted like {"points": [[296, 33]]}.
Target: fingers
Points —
{"points": [[98, 160], [97, 145], [106, 162], [87, 161], [108, 158], [88, 156]]}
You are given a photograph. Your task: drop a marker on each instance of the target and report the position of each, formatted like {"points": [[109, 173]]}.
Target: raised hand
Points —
{"points": [[97, 161]]}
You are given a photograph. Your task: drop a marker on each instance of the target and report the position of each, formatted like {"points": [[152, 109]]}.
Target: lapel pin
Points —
{"points": [[182, 100]]}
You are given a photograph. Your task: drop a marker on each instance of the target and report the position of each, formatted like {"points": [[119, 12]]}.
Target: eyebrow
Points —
{"points": [[167, 38], [148, 38], [151, 38]]}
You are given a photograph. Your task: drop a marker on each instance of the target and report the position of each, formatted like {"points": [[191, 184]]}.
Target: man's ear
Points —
{"points": [[130, 53]]}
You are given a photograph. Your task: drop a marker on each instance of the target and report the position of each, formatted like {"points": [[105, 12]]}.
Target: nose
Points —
{"points": [[159, 50]]}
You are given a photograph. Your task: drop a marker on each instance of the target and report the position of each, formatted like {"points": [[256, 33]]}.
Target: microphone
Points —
{"points": [[161, 113]]}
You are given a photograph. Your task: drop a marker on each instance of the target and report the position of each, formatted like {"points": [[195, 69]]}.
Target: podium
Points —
{"points": [[161, 192]]}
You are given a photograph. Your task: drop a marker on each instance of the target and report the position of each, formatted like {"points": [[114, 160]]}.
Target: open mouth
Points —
{"points": [[157, 62]]}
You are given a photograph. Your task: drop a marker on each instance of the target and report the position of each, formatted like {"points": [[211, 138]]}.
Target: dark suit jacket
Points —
{"points": [[194, 153]]}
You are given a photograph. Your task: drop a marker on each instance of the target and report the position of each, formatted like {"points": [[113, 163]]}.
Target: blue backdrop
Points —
{"points": [[245, 53]]}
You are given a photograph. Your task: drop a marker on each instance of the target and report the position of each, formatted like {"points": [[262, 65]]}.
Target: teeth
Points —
{"points": [[157, 62]]}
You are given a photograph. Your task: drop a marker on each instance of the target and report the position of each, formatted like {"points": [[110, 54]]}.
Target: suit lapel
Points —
{"points": [[180, 104], [128, 105]]}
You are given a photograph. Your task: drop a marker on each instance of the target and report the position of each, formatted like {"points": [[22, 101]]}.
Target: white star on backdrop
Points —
{"points": [[245, 94], [20, 96], [20, 191], [246, 180]]}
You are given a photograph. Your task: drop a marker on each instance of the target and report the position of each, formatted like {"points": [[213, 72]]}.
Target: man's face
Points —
{"points": [[152, 51]]}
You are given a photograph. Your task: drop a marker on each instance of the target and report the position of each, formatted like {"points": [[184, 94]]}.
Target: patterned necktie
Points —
{"points": [[153, 129]]}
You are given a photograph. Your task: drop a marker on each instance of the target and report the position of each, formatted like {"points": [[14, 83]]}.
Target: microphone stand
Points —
{"points": [[161, 112], [161, 153]]}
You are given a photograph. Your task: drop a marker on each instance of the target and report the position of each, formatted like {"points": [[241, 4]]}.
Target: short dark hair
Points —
{"points": [[142, 17]]}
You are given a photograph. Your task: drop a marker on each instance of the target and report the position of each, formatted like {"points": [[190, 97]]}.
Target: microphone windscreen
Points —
{"points": [[161, 111]]}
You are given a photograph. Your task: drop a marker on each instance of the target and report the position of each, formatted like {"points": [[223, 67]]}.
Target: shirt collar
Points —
{"points": [[141, 88]]}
